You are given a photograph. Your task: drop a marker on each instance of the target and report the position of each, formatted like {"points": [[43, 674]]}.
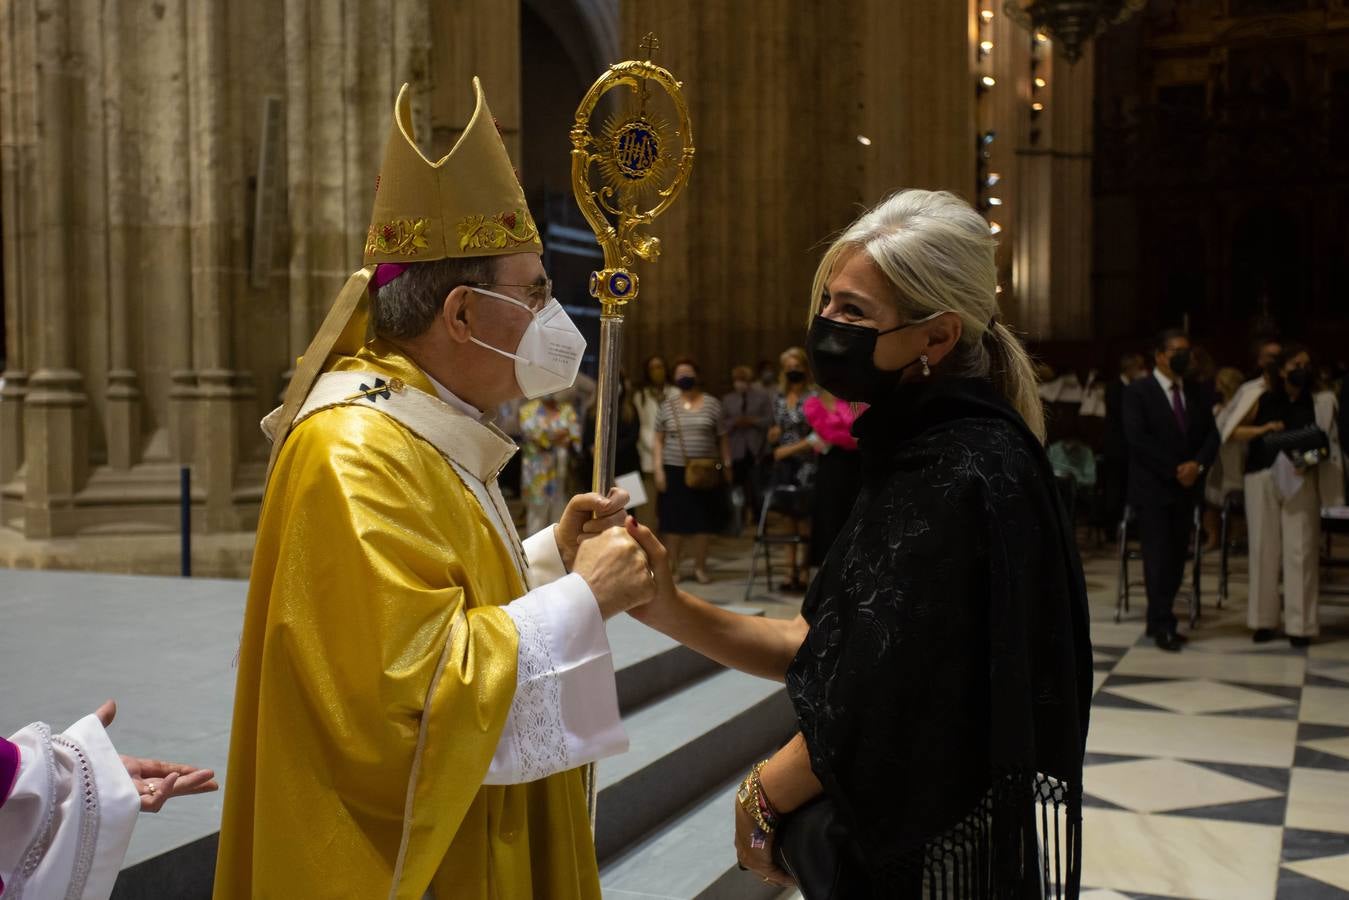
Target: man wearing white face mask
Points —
{"points": [[418, 688]]}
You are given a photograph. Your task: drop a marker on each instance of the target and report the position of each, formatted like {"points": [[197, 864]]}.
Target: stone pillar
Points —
{"points": [[18, 190], [55, 434], [779, 100]]}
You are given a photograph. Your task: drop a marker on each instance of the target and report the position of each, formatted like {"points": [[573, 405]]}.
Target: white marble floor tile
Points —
{"points": [[1108, 634], [1247, 741], [1325, 706], [1102, 895], [1329, 650], [1200, 696], [1250, 668], [1098, 679], [1333, 870], [1205, 641], [1177, 856], [1318, 800], [1334, 746], [1159, 785]]}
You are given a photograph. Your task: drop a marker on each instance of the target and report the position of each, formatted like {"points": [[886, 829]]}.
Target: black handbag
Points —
{"points": [[813, 847], [1305, 446]]}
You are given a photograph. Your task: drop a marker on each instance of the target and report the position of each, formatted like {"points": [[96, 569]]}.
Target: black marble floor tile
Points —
{"points": [[1314, 680], [1275, 778], [1269, 811], [1293, 886], [1088, 799], [1309, 758], [1307, 731], [1264, 712], [1100, 759], [1299, 844]]}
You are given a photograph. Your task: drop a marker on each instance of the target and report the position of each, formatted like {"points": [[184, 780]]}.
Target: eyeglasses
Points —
{"points": [[537, 294]]}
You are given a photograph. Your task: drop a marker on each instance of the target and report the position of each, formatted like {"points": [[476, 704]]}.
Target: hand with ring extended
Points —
{"points": [[157, 781]]}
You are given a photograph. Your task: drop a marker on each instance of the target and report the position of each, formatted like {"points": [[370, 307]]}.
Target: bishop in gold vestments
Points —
{"points": [[417, 687]]}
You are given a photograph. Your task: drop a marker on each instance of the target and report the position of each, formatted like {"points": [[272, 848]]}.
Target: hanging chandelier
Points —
{"points": [[1071, 23]]}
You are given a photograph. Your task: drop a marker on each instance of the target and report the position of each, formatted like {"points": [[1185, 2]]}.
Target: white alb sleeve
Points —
{"points": [[545, 560], [65, 828], [565, 710]]}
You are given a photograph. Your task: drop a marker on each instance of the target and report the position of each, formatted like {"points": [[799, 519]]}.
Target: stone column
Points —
{"points": [[55, 425], [18, 188]]}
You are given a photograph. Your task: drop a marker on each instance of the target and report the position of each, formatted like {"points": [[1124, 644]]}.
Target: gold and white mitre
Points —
{"points": [[470, 203]]}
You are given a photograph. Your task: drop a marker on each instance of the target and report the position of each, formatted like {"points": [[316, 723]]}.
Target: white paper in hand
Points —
{"points": [[632, 483]]}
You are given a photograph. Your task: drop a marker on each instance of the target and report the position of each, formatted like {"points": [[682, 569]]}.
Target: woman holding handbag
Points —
{"points": [[941, 669], [692, 468], [1284, 498]]}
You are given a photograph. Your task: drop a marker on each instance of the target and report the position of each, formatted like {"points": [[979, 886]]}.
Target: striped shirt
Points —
{"points": [[702, 427]]}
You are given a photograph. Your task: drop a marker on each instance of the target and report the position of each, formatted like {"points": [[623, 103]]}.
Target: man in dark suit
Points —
{"points": [[1172, 442], [1115, 478]]}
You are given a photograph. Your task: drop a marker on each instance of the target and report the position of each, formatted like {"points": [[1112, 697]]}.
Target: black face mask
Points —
{"points": [[841, 355], [1180, 362], [796, 376], [687, 383], [1297, 378]]}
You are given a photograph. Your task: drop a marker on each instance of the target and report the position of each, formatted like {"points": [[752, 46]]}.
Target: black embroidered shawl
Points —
{"points": [[944, 686]]}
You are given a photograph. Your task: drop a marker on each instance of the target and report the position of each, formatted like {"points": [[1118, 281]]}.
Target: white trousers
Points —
{"points": [[1287, 533]]}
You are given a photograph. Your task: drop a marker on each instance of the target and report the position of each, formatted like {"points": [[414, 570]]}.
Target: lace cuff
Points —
{"points": [[565, 710]]}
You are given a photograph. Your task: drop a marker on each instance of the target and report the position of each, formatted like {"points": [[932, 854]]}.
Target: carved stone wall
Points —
{"points": [[130, 134]]}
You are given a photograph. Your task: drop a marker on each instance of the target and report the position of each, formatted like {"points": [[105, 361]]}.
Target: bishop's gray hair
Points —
{"points": [[405, 307]]}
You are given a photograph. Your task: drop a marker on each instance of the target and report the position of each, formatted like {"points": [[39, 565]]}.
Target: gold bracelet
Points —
{"points": [[748, 798]]}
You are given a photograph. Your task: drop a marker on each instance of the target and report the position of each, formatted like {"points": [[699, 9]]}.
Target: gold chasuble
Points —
{"points": [[377, 667]]}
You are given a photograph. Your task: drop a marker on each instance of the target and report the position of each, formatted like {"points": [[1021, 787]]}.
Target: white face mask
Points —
{"points": [[549, 354]]}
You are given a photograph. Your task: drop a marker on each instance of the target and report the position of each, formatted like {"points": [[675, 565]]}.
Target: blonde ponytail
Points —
{"points": [[1013, 376], [938, 254]]}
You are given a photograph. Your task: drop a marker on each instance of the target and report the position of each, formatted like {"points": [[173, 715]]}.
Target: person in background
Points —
{"points": [[1228, 469], [768, 375], [552, 433], [1070, 457], [1115, 474], [656, 389], [690, 426], [1283, 501], [68, 804], [1266, 350], [748, 410], [1168, 424], [838, 479], [794, 456], [628, 430]]}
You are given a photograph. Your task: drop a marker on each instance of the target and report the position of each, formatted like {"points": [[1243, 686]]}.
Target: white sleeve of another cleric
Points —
{"points": [[565, 710], [65, 827]]}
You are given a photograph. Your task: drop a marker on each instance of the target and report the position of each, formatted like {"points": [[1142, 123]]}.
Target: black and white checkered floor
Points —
{"points": [[1220, 772]]}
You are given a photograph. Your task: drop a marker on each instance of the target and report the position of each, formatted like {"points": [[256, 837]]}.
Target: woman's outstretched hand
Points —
{"points": [[157, 781], [658, 558]]}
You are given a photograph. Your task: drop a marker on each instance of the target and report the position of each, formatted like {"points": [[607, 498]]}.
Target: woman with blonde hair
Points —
{"points": [[794, 454], [941, 669]]}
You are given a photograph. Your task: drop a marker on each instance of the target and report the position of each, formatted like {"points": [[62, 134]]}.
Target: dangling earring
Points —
{"points": [[926, 370]]}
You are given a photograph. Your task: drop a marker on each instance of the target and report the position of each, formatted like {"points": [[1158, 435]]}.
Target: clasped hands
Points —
{"points": [[623, 563]]}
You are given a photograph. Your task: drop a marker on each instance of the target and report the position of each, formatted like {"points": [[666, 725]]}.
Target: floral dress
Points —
{"points": [[550, 437], [799, 469]]}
